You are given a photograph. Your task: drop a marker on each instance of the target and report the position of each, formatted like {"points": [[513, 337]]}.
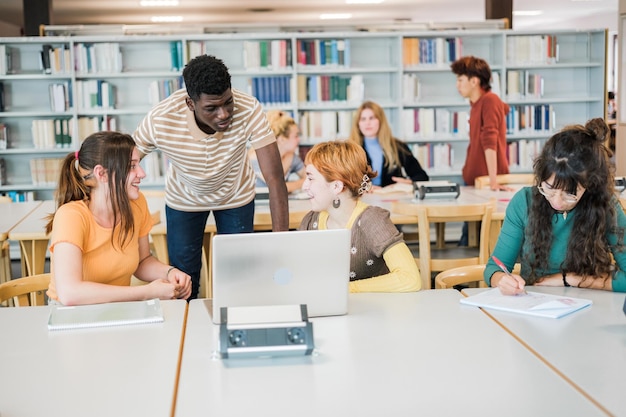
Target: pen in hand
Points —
{"points": [[502, 267]]}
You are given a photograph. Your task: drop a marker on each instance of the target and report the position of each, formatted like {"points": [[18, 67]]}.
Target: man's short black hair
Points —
{"points": [[206, 74]]}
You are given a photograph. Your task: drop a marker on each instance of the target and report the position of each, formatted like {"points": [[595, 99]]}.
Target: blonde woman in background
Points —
{"points": [[387, 155], [287, 138]]}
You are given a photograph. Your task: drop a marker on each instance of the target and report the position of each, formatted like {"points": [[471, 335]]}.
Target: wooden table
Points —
{"points": [[586, 348], [393, 354], [108, 371]]}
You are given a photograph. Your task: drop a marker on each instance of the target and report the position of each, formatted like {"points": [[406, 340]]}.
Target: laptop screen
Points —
{"points": [[280, 268]]}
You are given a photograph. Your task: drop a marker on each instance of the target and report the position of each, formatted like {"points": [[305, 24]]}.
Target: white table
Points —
{"points": [[587, 347], [394, 354], [109, 371]]}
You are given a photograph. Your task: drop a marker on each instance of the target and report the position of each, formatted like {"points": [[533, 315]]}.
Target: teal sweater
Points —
{"points": [[511, 246]]}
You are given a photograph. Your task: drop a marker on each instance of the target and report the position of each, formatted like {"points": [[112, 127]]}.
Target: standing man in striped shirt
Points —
{"points": [[204, 130]]}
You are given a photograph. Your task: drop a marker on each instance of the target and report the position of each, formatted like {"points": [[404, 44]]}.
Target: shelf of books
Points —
{"points": [[55, 91]]}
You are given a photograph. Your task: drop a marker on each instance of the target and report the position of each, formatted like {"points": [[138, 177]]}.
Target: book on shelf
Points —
{"points": [[537, 118], [59, 97], [435, 156], [176, 53], [495, 83], [522, 153], [532, 49], [531, 303], [323, 52], [410, 88], [45, 171], [317, 126], [90, 125], [107, 314], [51, 133], [274, 54], [419, 51], [327, 88], [428, 123], [3, 172], [3, 59], [4, 136], [20, 196], [524, 84], [102, 57], [95, 94], [272, 90], [9, 59], [44, 59], [162, 89]]}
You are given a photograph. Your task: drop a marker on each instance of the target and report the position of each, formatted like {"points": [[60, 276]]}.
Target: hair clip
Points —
{"points": [[366, 185]]}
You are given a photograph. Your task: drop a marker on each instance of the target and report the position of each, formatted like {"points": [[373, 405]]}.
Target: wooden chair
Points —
{"points": [[464, 275], [440, 258], [461, 275], [505, 179], [26, 291]]}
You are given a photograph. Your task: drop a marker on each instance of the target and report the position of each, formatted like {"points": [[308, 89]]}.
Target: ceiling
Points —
{"points": [[556, 13]]}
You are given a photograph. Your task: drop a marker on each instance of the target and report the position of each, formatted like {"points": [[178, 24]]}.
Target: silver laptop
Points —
{"points": [[279, 268]]}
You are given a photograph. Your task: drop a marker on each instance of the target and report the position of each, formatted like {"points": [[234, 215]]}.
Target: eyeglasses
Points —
{"points": [[551, 193]]}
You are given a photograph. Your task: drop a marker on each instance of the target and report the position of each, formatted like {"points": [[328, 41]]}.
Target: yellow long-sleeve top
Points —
{"points": [[380, 260]]}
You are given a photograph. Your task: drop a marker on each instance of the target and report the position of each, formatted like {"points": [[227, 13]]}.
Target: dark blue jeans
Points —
{"points": [[185, 234]]}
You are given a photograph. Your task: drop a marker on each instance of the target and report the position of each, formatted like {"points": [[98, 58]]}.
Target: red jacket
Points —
{"points": [[487, 130]]}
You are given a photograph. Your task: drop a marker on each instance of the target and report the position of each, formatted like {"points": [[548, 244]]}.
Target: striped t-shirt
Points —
{"points": [[206, 172]]}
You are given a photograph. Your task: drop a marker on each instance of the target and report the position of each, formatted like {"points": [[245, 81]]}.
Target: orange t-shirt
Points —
{"points": [[102, 262]]}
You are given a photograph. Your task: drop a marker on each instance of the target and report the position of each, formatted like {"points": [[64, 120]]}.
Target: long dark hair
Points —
{"points": [[577, 155], [113, 151]]}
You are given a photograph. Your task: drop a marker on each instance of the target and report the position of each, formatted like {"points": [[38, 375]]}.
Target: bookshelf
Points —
{"points": [[56, 90]]}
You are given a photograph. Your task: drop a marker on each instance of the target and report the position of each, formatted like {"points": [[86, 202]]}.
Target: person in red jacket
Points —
{"points": [[486, 152]]}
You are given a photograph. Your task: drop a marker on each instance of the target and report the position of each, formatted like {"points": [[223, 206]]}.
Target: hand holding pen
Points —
{"points": [[509, 284]]}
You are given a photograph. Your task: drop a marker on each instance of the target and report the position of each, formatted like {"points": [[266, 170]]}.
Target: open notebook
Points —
{"points": [[532, 303], [107, 314]]}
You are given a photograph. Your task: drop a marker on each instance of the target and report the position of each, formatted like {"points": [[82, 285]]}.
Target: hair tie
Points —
{"points": [[76, 155]]}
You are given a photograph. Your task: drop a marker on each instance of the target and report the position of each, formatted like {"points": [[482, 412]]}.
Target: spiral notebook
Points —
{"points": [[107, 314]]}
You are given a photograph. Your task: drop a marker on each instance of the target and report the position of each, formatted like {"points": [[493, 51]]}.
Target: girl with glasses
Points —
{"points": [[568, 229]]}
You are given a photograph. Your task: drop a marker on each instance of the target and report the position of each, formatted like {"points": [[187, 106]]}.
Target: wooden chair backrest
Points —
{"points": [[461, 275], [453, 213], [464, 275], [26, 291], [505, 179]]}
